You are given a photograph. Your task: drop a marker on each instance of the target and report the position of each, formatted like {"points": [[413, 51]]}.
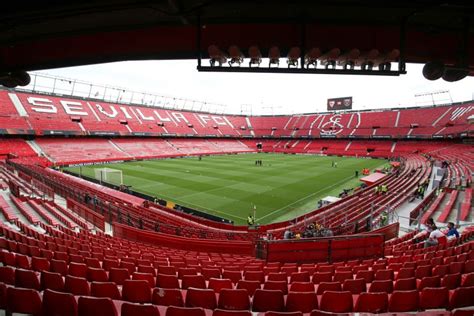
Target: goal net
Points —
{"points": [[109, 175]]}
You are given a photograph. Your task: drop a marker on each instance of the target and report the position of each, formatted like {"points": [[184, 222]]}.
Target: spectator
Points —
{"points": [[436, 237], [287, 234], [452, 231]]}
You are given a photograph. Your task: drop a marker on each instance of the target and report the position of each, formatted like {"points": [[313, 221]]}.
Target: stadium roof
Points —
{"points": [[40, 34]]}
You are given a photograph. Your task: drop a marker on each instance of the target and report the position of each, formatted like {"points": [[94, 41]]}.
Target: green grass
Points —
{"points": [[229, 185]]}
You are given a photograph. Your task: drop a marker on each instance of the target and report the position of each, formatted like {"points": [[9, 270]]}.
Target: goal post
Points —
{"points": [[109, 175]]}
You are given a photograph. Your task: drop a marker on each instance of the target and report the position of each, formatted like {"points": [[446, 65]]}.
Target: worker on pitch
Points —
{"points": [[250, 220]]}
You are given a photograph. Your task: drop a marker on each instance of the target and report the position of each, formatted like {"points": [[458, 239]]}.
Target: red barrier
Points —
{"points": [[389, 231], [329, 249], [86, 213], [185, 243]]}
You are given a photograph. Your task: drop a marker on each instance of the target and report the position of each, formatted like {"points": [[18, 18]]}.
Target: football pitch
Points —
{"points": [[229, 186]]}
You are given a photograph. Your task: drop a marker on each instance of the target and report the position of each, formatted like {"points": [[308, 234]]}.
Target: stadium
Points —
{"points": [[119, 202]]}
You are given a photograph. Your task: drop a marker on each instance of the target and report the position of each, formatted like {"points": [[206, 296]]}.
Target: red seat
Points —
{"points": [[283, 314], [434, 297], [434, 281], [355, 286], [51, 280], [381, 286], [451, 281], [167, 281], [132, 309], [144, 276], [25, 301], [328, 286], [250, 286], [405, 273], [118, 275], [105, 289], [58, 303], [146, 269], [7, 275], [76, 286], [167, 297], [96, 306], [136, 291], [77, 269], [461, 297], [167, 270], [303, 302], [372, 303], [441, 270], [186, 271], [185, 311], [59, 266], [255, 276], [130, 266], [39, 264], [341, 276], [302, 287], [27, 279], [336, 302], [196, 281], [98, 275], [302, 276], [423, 271], [208, 273], [234, 299], [218, 284], [367, 275], [384, 274], [403, 301], [3, 296], [469, 266], [468, 280], [221, 312], [276, 285], [456, 267], [268, 300], [108, 264], [235, 276], [204, 298], [405, 284], [277, 276], [21, 261], [319, 277], [93, 263]]}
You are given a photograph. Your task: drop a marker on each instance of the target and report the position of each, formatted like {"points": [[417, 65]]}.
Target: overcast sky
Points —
{"points": [[269, 93]]}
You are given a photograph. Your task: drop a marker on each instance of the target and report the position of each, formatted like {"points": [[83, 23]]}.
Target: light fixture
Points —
{"points": [[236, 56], [293, 57], [255, 56], [311, 57], [216, 56], [274, 56]]}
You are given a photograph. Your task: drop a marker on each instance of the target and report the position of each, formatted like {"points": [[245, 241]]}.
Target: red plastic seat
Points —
{"points": [[136, 291], [341, 276], [302, 276], [234, 299], [303, 302], [21, 261], [372, 303], [196, 281], [319, 277], [58, 266], [255, 276], [355, 286], [168, 270], [167, 281], [3, 296], [468, 280], [250, 286], [27, 279], [403, 301], [39, 264], [407, 284], [302, 287], [132, 309], [276, 285], [221, 312], [434, 297], [440, 270], [108, 264], [98, 275], [186, 271], [461, 297], [146, 269], [423, 271], [328, 286], [208, 273], [118, 275], [167, 297], [434, 281], [76, 286], [218, 284], [235, 276], [381, 286], [144, 276], [283, 314], [185, 311], [456, 267], [268, 300], [367, 275], [405, 273], [7, 275], [384, 274], [96, 306], [336, 302], [59, 303], [204, 298], [105, 289], [93, 263], [277, 276], [77, 269], [451, 281], [25, 301], [51, 280]]}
